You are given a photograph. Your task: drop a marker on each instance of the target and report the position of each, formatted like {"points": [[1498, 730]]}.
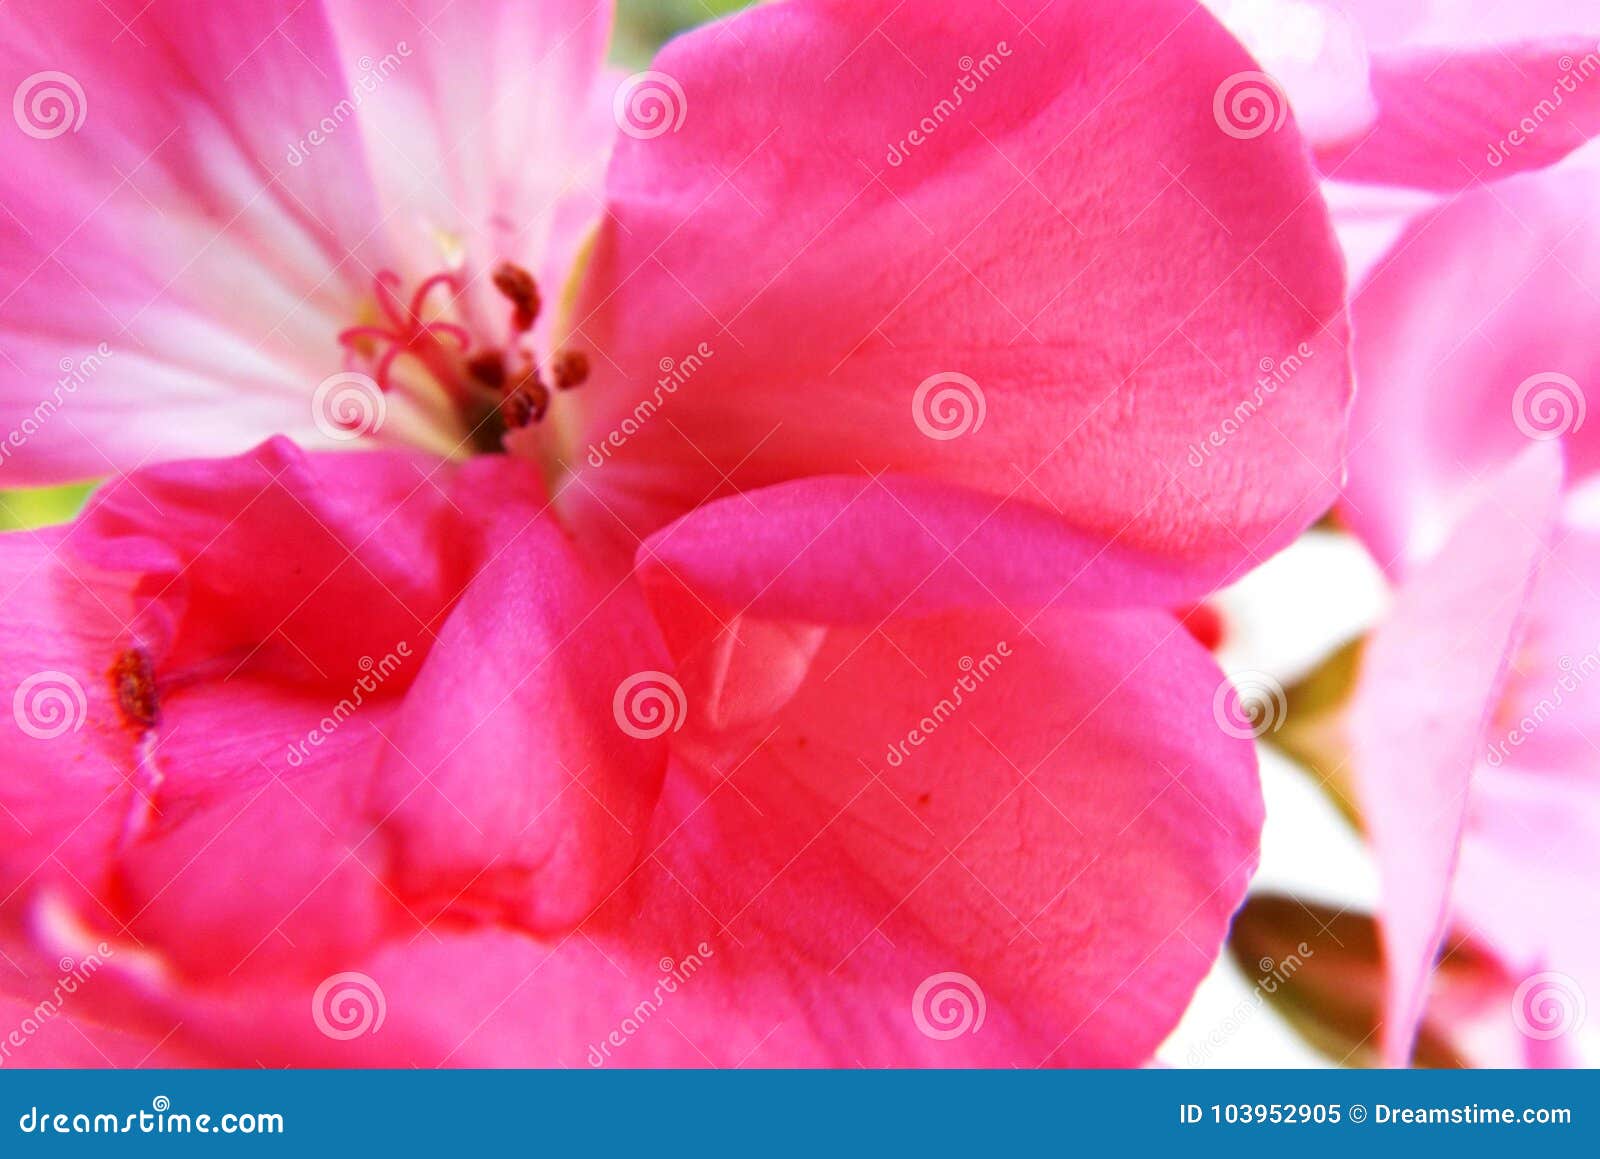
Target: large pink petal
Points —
{"points": [[794, 277], [1474, 342], [1072, 864], [1430, 679]]}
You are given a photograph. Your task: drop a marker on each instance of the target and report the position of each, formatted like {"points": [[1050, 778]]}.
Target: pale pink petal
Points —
{"points": [[1430, 678], [172, 283], [1449, 118], [833, 265], [487, 126], [1474, 343]]}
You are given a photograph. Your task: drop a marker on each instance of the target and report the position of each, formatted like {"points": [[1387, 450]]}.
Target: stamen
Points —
{"points": [[488, 368], [570, 368], [134, 682], [526, 402], [518, 286]]}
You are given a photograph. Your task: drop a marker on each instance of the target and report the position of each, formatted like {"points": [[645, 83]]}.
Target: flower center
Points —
{"points": [[494, 387]]}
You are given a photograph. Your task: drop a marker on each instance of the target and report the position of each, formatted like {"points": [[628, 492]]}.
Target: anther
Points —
{"points": [[522, 291], [134, 682], [488, 369], [570, 368], [526, 402]]}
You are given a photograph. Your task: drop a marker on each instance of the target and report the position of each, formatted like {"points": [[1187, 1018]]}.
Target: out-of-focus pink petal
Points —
{"points": [[1431, 674], [803, 904], [832, 264], [1447, 118], [1532, 841], [1474, 342]]}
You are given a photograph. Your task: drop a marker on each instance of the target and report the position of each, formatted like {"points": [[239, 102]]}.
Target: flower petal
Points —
{"points": [[1474, 343], [1430, 678], [843, 256]]}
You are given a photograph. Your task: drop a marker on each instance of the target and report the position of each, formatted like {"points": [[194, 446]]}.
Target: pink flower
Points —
{"points": [[797, 691], [1473, 725]]}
